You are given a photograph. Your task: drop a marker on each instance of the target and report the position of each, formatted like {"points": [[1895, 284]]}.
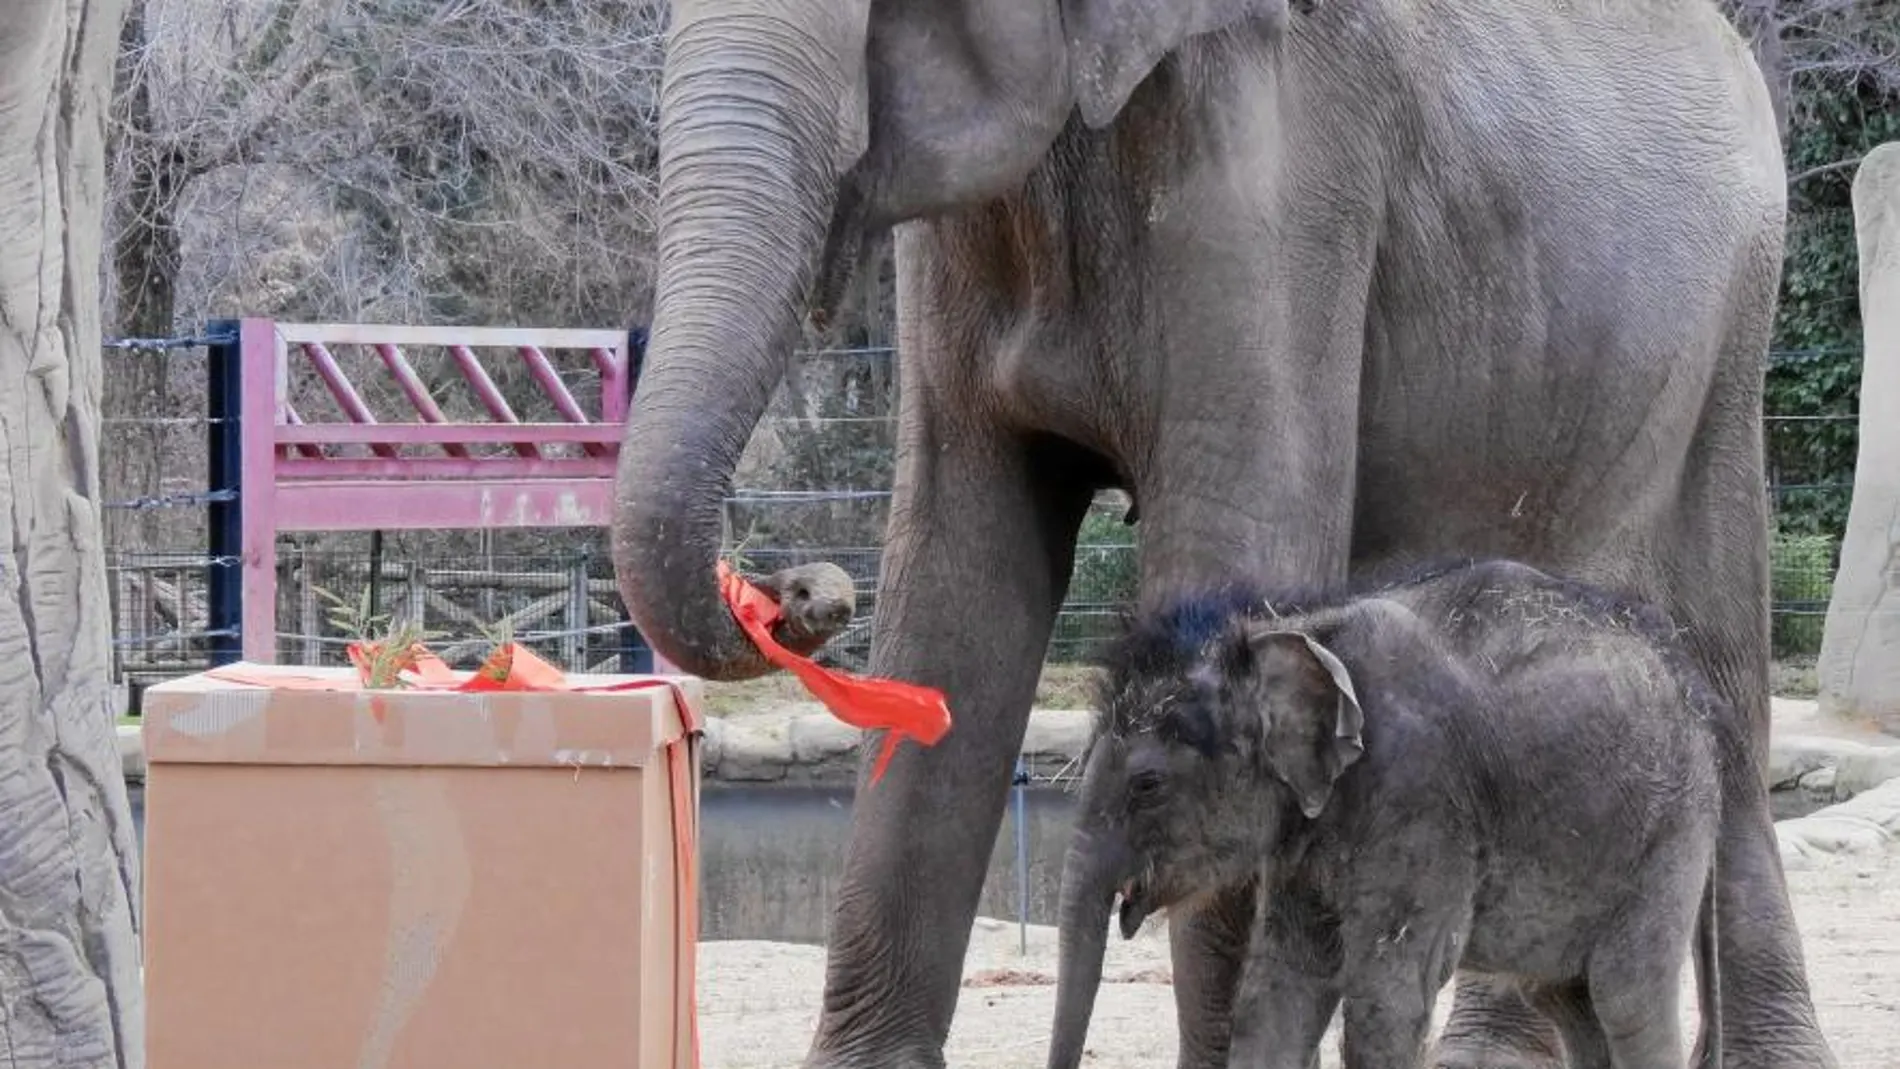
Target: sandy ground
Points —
{"points": [[759, 1000], [1802, 716]]}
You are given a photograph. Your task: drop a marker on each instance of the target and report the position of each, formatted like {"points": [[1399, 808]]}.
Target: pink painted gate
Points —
{"points": [[351, 471]]}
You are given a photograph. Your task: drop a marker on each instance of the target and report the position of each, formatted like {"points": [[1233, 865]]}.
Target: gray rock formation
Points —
{"points": [[1859, 668]]}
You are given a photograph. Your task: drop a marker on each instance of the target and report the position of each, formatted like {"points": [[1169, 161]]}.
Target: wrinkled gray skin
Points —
{"points": [[1322, 290], [1488, 770]]}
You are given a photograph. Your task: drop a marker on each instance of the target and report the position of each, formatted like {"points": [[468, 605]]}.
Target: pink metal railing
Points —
{"points": [[425, 470]]}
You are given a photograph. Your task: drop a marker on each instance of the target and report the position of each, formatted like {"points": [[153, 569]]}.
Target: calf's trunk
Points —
{"points": [[1090, 875]]}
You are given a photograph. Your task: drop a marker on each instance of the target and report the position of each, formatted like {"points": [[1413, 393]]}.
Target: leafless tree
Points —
{"points": [[474, 161], [487, 160], [1839, 42]]}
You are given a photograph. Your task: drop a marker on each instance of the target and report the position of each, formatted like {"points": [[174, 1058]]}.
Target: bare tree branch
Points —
{"points": [[499, 155], [1826, 168]]}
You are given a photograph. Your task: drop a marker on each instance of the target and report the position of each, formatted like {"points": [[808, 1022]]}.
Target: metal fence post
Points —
{"points": [[418, 594], [636, 357], [1020, 781], [375, 573], [574, 643], [636, 657], [309, 569], [224, 578]]}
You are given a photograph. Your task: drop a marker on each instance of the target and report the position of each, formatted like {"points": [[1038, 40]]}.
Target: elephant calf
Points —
{"points": [[1479, 768]]}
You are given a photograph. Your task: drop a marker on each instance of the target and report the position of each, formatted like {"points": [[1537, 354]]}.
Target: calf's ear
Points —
{"points": [[1313, 724]]}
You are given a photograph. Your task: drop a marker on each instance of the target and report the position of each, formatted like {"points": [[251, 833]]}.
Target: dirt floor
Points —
{"points": [[759, 1000]]}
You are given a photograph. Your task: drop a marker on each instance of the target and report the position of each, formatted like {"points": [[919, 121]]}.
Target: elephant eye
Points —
{"points": [[1146, 788]]}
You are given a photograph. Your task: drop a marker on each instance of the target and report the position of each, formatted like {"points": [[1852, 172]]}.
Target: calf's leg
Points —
{"points": [[1288, 995]]}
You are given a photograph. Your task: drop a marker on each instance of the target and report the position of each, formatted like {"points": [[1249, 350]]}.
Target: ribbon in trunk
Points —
{"points": [[902, 710]]}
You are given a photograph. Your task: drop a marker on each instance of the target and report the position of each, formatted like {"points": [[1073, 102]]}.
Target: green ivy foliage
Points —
{"points": [[1105, 570], [1801, 577], [1813, 381]]}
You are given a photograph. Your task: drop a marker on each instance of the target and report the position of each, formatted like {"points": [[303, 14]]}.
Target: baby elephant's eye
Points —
{"points": [[1146, 788]]}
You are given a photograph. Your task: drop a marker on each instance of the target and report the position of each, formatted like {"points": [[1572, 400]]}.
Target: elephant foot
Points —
{"points": [[1482, 1055], [875, 1058], [1811, 1055]]}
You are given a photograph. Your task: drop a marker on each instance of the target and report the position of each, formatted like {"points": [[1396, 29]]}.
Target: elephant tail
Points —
{"points": [[1709, 964]]}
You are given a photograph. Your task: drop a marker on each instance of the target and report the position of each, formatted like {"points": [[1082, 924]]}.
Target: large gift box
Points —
{"points": [[451, 873]]}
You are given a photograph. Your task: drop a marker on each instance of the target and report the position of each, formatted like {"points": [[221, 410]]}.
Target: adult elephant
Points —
{"points": [[1322, 289]]}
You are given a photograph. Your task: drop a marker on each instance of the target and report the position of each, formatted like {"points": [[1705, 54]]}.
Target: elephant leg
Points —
{"points": [[1289, 989], [1388, 1015], [1209, 950], [1716, 587], [977, 560], [1282, 1013], [1633, 991], [1768, 1015]]}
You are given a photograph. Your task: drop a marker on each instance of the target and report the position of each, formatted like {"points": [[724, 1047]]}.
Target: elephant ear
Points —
{"points": [[1114, 44], [1314, 726]]}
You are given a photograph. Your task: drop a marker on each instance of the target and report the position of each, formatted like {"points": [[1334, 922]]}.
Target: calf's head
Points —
{"points": [[1198, 764], [1201, 769]]}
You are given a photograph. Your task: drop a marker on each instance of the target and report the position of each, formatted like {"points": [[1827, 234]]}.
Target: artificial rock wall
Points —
{"points": [[1859, 668]]}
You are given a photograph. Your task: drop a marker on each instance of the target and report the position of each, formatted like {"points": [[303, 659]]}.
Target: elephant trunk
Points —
{"points": [[750, 150], [1094, 868]]}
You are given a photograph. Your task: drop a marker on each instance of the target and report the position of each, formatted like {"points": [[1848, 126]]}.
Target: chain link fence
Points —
{"points": [[154, 473], [1811, 432], [813, 486], [564, 608]]}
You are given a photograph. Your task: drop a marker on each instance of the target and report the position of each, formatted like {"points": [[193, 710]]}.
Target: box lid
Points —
{"points": [[203, 719]]}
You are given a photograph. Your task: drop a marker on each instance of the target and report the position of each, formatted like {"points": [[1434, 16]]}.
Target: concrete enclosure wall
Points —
{"points": [[1859, 670], [770, 858]]}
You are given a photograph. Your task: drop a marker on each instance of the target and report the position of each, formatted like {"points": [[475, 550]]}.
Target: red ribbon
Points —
{"points": [[904, 710], [510, 667]]}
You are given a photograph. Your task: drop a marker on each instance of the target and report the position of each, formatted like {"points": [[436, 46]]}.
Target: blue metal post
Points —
{"points": [[636, 357], [1022, 857], [636, 657], [224, 578]]}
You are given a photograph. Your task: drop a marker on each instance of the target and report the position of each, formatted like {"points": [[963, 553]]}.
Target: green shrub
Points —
{"points": [[1801, 579]]}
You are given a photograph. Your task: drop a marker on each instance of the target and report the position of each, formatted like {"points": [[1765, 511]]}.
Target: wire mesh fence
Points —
{"points": [[161, 617], [812, 486], [1802, 564], [564, 608], [1811, 432], [153, 472]]}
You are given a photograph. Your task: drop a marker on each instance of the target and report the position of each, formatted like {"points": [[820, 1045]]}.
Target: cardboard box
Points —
{"points": [[342, 879]]}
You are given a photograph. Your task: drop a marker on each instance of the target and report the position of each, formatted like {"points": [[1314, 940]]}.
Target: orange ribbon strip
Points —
{"points": [[510, 667], [902, 709]]}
